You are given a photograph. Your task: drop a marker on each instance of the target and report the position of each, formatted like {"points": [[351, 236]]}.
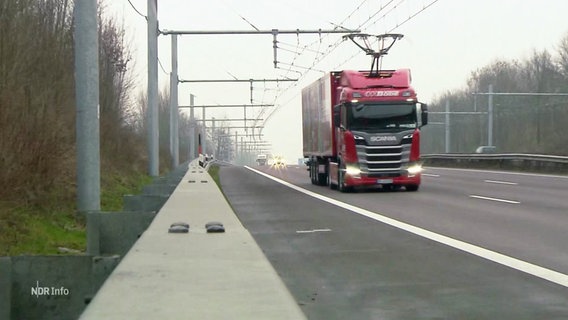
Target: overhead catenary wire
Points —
{"points": [[320, 49], [389, 30], [162, 67], [137, 11], [332, 47], [360, 26], [294, 66], [336, 44], [303, 48], [322, 55], [414, 15]]}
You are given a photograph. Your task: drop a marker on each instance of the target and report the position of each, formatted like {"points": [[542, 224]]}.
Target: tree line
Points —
{"points": [[521, 123], [37, 103]]}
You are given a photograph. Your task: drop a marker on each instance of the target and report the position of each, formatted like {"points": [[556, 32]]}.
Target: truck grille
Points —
{"points": [[383, 160]]}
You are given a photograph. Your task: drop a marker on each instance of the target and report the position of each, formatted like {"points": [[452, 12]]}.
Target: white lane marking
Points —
{"points": [[501, 172], [313, 230], [431, 175], [501, 182], [494, 199], [535, 270]]}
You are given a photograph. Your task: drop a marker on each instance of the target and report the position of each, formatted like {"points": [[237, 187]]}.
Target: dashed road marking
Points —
{"points": [[494, 199], [431, 175], [520, 265], [501, 182], [313, 230], [502, 172]]}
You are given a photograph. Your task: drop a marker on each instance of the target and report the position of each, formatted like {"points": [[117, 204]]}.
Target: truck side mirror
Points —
{"points": [[423, 113]]}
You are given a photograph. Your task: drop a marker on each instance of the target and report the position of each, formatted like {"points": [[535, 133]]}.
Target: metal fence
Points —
{"points": [[508, 161]]}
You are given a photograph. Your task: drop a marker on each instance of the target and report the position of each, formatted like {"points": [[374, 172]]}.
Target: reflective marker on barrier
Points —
{"points": [[214, 227], [179, 227]]}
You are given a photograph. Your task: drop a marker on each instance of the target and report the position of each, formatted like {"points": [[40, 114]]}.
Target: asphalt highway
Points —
{"points": [[468, 245]]}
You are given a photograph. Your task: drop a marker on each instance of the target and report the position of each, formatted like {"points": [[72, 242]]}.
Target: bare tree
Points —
{"points": [[521, 123]]}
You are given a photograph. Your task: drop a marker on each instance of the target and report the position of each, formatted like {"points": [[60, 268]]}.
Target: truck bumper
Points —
{"points": [[366, 181]]}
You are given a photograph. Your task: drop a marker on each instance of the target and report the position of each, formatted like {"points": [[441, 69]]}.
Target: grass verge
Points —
{"points": [[44, 228], [214, 173]]}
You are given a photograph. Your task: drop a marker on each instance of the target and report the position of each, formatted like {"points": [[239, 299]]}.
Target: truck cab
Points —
{"points": [[376, 124], [261, 159]]}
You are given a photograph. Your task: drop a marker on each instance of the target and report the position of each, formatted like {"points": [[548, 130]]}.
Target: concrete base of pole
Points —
{"points": [[93, 233], [5, 287]]}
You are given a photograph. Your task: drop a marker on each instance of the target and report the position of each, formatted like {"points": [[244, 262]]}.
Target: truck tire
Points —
{"points": [[322, 179], [330, 184], [312, 172], [341, 182], [412, 187]]}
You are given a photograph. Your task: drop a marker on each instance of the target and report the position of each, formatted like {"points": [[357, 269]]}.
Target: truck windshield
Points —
{"points": [[381, 117]]}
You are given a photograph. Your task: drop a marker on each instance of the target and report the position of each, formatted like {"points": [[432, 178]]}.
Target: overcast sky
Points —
{"points": [[444, 41]]}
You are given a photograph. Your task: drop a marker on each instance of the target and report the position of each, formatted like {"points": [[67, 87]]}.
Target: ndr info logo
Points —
{"points": [[48, 291]]}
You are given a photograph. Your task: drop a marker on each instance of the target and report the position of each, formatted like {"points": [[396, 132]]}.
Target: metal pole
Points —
{"points": [[236, 133], [251, 89], [230, 106], [275, 47], [243, 32], [214, 142], [241, 127], [447, 126], [474, 103], [191, 128], [227, 119], [235, 80], [236, 146], [490, 116], [87, 109], [522, 94], [245, 118], [174, 134], [153, 125], [204, 134], [171, 123]]}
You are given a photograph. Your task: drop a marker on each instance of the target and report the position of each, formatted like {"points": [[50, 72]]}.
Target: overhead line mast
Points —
{"points": [[273, 32], [175, 81]]}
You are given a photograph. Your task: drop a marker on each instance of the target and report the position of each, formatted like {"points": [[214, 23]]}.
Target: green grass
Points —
{"points": [[117, 186], [214, 173], [42, 228], [38, 229]]}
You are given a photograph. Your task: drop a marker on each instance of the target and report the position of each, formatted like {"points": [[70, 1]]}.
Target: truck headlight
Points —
{"points": [[414, 169], [353, 171]]}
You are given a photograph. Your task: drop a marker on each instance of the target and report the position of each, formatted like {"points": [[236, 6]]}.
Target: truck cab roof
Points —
{"points": [[400, 78]]}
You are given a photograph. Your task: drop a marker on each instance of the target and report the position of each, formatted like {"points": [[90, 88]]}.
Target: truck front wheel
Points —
{"points": [[412, 187], [319, 177], [341, 182], [312, 172], [331, 185], [322, 179]]}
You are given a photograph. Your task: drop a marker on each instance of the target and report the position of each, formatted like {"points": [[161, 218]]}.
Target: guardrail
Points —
{"points": [[504, 161]]}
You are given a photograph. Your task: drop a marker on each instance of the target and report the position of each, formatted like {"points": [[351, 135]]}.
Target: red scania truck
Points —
{"points": [[362, 128]]}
